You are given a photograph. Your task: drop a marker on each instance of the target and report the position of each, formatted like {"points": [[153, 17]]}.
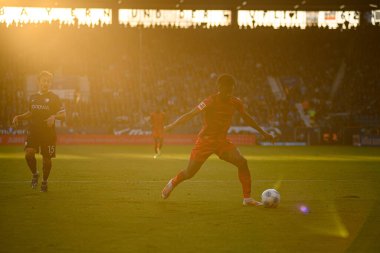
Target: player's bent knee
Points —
{"points": [[242, 162], [189, 175], [29, 153], [46, 159], [186, 174]]}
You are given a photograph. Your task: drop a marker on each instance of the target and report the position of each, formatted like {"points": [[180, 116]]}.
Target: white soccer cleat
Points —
{"points": [[157, 155], [251, 202], [44, 187], [167, 189], [34, 182]]}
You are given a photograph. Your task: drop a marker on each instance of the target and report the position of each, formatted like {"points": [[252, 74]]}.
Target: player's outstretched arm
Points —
{"points": [[251, 122], [182, 119], [17, 118], [61, 115]]}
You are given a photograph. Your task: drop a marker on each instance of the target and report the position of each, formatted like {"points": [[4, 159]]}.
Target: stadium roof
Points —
{"points": [[204, 4]]}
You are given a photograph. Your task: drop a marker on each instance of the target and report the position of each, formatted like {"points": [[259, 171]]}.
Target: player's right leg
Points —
{"points": [[234, 157], [30, 157], [32, 146]]}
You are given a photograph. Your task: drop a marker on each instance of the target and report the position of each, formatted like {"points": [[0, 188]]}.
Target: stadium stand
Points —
{"points": [[332, 76]]}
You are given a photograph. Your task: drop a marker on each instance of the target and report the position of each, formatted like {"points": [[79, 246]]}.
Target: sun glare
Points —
{"points": [[64, 16]]}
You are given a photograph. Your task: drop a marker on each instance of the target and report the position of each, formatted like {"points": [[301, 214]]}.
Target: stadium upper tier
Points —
{"points": [[243, 16], [201, 4]]}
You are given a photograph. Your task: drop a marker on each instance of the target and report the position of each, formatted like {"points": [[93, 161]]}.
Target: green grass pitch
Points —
{"points": [[107, 199]]}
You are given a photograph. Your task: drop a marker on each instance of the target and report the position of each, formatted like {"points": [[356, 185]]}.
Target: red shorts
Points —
{"points": [[205, 147], [158, 134]]}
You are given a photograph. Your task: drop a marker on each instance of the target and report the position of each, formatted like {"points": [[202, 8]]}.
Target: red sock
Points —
{"points": [[245, 180], [178, 178]]}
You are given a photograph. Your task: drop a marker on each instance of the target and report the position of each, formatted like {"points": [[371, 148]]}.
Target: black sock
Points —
{"points": [[32, 163]]}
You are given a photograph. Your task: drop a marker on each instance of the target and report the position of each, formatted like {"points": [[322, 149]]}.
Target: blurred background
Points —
{"points": [[308, 71]]}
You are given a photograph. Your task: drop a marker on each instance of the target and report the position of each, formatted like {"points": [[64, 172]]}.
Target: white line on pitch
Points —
{"points": [[189, 181]]}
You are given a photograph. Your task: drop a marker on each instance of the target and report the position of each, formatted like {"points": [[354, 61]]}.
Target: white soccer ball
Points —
{"points": [[270, 198]]}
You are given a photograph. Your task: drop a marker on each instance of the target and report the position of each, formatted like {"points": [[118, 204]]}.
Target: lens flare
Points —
{"points": [[330, 225], [303, 209]]}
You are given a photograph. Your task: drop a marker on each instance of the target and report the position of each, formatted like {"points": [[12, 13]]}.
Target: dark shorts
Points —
{"points": [[204, 148], [42, 143]]}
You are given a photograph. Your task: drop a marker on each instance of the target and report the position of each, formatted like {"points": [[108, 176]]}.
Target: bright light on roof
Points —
{"points": [[64, 16]]}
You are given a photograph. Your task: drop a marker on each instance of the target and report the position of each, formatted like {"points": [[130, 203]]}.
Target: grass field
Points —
{"points": [[107, 199]]}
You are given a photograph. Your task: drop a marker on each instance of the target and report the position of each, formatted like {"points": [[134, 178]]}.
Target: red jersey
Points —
{"points": [[157, 121], [218, 115]]}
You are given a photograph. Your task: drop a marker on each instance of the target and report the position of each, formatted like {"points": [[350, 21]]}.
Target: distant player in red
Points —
{"points": [[45, 108], [218, 110], [157, 119]]}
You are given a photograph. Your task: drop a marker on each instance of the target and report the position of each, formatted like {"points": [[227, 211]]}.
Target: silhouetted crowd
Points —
{"points": [[333, 76]]}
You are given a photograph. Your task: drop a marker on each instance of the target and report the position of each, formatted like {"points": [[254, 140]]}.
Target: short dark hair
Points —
{"points": [[225, 81], [45, 73]]}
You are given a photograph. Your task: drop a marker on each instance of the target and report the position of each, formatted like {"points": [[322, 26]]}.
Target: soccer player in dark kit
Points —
{"points": [[44, 109], [218, 110]]}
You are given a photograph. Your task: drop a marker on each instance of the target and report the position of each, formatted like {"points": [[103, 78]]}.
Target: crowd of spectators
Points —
{"points": [[131, 72]]}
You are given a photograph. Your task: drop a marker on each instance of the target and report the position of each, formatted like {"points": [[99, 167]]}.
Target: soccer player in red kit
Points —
{"points": [[218, 110], [157, 120], [45, 108]]}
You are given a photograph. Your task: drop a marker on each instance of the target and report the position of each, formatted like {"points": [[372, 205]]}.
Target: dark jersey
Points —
{"points": [[42, 106], [218, 115]]}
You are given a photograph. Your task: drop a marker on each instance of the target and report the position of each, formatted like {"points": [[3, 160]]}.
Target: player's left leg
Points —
{"points": [[160, 143], [234, 157], [199, 154], [48, 152], [46, 168], [156, 147], [192, 168]]}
